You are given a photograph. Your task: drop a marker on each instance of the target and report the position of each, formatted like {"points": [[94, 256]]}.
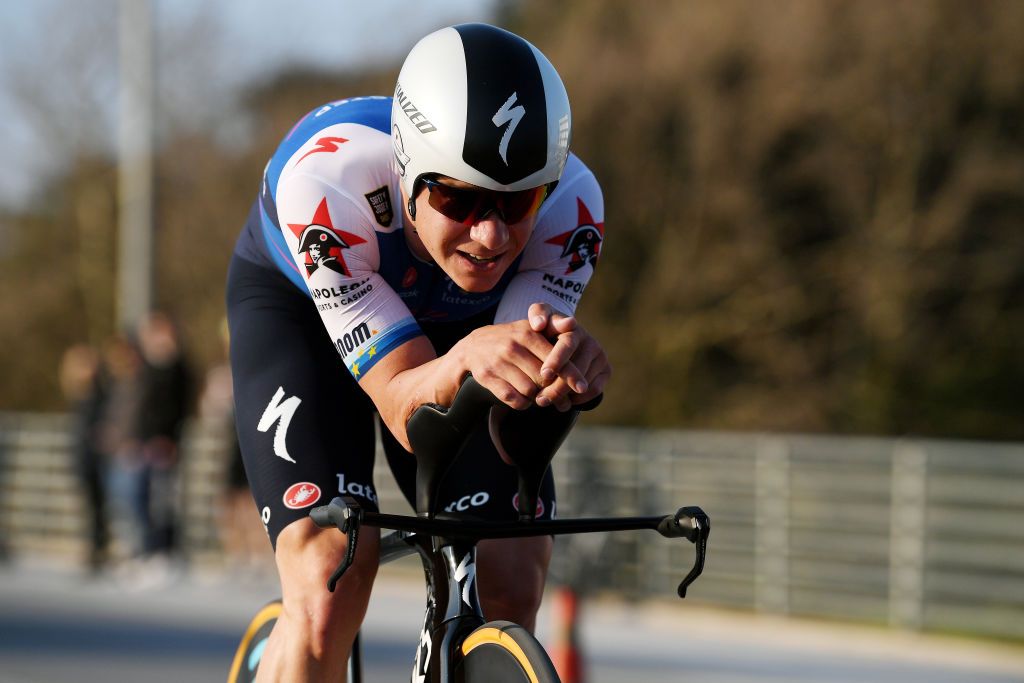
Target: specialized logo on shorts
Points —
{"points": [[301, 495], [380, 203], [322, 243], [582, 244], [280, 412], [540, 505]]}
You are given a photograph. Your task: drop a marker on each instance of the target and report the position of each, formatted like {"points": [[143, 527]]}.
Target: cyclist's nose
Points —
{"points": [[490, 231]]}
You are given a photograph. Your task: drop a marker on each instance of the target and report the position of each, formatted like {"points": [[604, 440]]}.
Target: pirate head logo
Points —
{"points": [[322, 243], [582, 247], [582, 244], [322, 248]]}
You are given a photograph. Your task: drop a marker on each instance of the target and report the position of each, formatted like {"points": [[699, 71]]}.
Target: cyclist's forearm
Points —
{"points": [[414, 380]]}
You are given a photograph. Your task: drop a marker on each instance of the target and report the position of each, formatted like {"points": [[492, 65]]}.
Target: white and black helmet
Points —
{"points": [[482, 105]]}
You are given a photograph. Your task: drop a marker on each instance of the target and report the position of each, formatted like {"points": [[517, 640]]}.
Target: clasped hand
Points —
{"points": [[548, 359]]}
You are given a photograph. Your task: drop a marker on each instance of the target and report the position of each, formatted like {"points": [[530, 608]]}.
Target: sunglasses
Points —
{"points": [[467, 206]]}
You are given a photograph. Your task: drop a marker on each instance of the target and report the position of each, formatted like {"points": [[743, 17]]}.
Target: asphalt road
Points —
{"points": [[57, 627]]}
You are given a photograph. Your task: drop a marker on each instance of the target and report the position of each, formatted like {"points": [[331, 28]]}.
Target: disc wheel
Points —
{"points": [[250, 650], [503, 652]]}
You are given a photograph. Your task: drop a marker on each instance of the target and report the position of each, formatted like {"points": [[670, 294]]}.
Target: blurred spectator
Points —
{"points": [[165, 388], [126, 475], [83, 384], [241, 534]]}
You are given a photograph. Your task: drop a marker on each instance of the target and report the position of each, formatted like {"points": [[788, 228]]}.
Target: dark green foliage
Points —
{"points": [[815, 214]]}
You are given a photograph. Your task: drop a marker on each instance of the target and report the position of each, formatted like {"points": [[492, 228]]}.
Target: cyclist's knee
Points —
{"points": [[306, 558], [514, 572]]}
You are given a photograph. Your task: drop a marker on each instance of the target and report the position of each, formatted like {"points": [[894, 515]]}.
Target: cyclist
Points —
{"points": [[443, 231]]}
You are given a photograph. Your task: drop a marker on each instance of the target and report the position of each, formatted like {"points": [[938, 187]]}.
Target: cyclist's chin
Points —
{"points": [[476, 277], [476, 284]]}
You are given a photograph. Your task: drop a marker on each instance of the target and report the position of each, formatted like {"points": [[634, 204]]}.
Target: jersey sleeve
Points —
{"points": [[563, 250], [335, 248]]}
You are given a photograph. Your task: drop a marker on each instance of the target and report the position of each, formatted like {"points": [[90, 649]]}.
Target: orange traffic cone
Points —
{"points": [[565, 650]]}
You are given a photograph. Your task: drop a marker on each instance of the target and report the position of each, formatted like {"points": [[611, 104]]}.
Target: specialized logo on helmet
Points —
{"points": [[416, 117], [582, 244], [301, 495], [322, 243], [512, 116]]}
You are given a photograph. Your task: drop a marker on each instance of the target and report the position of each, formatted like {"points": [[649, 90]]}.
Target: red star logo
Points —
{"points": [[582, 244], [322, 219]]}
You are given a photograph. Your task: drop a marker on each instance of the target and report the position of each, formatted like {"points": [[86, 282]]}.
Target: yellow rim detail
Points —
{"points": [[493, 636], [271, 611]]}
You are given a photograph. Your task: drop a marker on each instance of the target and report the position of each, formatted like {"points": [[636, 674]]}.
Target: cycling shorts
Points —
{"points": [[305, 427]]}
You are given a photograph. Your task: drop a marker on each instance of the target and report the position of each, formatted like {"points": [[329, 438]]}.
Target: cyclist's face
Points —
{"points": [[474, 255]]}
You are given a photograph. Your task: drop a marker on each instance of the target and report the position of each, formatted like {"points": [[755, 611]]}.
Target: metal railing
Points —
{"points": [[918, 534]]}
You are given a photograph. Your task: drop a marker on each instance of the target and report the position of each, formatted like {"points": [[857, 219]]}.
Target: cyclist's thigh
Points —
{"points": [[304, 426]]}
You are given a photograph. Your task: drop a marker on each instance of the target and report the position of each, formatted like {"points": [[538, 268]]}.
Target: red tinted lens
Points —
{"points": [[515, 206], [457, 204], [465, 205]]}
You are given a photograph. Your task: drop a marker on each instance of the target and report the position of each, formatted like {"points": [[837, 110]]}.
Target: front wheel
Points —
{"points": [[250, 650], [503, 652]]}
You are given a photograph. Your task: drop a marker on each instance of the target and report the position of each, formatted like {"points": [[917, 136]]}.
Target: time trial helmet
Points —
{"points": [[481, 105]]}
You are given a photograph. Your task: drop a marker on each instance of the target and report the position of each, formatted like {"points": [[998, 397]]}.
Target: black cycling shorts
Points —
{"points": [[305, 427]]}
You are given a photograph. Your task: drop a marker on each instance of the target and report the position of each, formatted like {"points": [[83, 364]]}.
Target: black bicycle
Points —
{"points": [[456, 644]]}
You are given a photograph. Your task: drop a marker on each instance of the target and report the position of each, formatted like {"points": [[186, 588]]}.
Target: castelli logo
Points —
{"points": [[301, 495], [540, 504]]}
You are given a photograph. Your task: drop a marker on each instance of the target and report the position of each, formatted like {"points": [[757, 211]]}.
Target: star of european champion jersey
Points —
{"points": [[565, 240], [322, 218]]}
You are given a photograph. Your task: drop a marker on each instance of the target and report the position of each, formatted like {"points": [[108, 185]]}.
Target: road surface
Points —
{"points": [[57, 626]]}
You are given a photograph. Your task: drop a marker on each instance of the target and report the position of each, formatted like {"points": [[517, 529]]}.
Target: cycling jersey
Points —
{"points": [[325, 240], [329, 218]]}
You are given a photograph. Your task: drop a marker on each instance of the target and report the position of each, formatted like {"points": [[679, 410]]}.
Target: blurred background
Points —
{"points": [[814, 208], [812, 290]]}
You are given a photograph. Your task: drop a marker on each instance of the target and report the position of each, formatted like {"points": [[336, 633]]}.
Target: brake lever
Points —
{"points": [[693, 524], [345, 514]]}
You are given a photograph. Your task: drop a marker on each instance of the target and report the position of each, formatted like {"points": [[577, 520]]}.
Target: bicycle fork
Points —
{"points": [[443, 633]]}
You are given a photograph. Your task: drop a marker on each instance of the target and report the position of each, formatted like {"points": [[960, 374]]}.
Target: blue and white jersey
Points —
{"points": [[329, 218]]}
